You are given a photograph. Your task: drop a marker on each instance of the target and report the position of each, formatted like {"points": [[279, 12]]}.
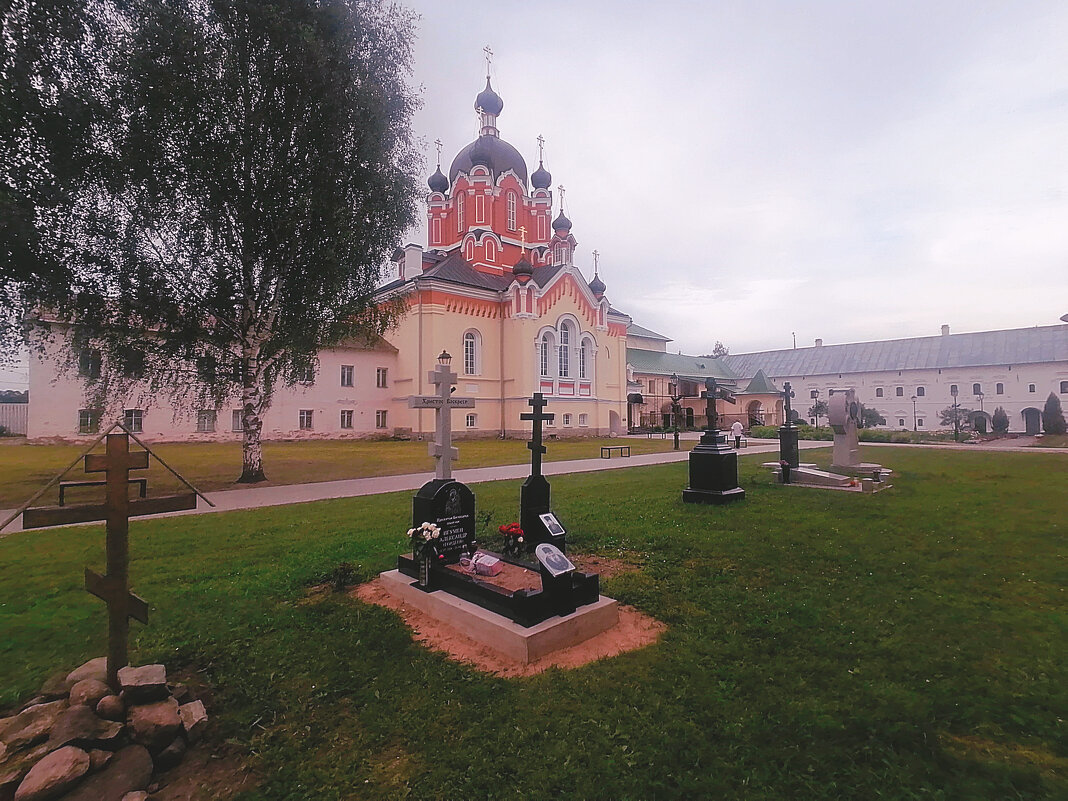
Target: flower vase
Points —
{"points": [[424, 570]]}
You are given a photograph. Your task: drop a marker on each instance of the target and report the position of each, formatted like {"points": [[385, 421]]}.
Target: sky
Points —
{"points": [[751, 171]]}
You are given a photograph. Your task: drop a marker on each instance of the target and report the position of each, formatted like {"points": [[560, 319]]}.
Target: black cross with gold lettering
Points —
{"points": [[537, 416]]}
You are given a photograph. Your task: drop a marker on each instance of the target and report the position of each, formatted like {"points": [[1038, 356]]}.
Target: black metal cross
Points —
{"points": [[714, 391], [537, 416], [787, 394]]}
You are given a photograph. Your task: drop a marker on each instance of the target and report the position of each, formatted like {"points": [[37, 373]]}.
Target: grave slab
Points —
{"points": [[524, 644]]}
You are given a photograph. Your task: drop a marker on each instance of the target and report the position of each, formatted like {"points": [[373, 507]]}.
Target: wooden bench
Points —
{"points": [[606, 451], [651, 434], [142, 489]]}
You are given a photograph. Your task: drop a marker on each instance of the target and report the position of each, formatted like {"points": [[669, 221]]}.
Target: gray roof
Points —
{"points": [[638, 331], [454, 269], [985, 348], [657, 363], [761, 385]]}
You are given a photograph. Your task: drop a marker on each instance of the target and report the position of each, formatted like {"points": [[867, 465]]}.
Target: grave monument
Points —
{"points": [[789, 454], [713, 463], [846, 414], [535, 514]]}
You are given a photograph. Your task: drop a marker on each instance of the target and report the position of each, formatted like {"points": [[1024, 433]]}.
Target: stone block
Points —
{"points": [[111, 707], [31, 725], [143, 684], [53, 775], [80, 726], [93, 669], [88, 691], [194, 719], [15, 766], [154, 725]]}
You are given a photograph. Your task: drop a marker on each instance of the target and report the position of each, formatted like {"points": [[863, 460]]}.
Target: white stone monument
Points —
{"points": [[442, 403]]}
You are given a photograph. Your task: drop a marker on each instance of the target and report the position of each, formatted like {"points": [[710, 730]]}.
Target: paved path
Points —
{"points": [[256, 497]]}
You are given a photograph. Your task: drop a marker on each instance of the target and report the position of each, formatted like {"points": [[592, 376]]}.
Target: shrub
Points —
{"points": [[1053, 416], [1000, 421]]}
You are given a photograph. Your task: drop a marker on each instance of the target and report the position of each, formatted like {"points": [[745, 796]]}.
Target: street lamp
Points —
{"points": [[956, 416], [816, 405], [676, 396], [913, 412]]}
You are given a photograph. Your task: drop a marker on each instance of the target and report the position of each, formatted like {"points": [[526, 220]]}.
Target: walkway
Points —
{"points": [[257, 497]]}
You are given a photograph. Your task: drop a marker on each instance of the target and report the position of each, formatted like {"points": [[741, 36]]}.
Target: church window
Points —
{"points": [[565, 350], [480, 208], [491, 250], [511, 211], [561, 253], [585, 358], [542, 228], [544, 354], [460, 201], [1064, 387], [472, 353], [469, 250], [435, 231]]}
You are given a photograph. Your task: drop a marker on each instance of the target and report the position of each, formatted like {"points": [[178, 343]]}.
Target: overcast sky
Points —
{"points": [[846, 170]]}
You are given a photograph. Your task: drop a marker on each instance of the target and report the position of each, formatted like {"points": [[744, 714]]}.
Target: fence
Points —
{"points": [[13, 417]]}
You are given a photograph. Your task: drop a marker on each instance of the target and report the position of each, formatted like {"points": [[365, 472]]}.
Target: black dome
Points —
{"points": [[438, 182], [523, 267], [597, 286], [492, 152], [561, 223], [541, 178], [488, 100]]}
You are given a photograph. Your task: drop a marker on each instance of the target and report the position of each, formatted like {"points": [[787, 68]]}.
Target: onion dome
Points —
{"points": [[492, 152], [438, 182], [561, 223], [523, 269], [541, 178], [489, 101], [597, 286]]}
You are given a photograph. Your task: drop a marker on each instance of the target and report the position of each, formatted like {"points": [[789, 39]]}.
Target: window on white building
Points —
{"points": [[348, 375], [472, 421], [920, 392], [382, 377], [380, 418], [899, 391], [567, 420], [306, 374], [999, 389], [346, 418], [306, 418], [133, 420], [901, 421], [1064, 387], [206, 421], [977, 389], [89, 364], [1030, 387], [584, 420], [88, 421], [235, 420], [919, 422], [878, 392]]}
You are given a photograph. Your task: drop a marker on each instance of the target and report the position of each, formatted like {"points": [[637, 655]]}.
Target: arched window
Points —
{"points": [[545, 350], [561, 253], [999, 389], [469, 250], [511, 211], [921, 392], [977, 389], [878, 392], [565, 350], [460, 201], [586, 358], [472, 353], [491, 250]]}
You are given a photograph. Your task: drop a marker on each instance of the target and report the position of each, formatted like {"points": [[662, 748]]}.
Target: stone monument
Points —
{"points": [[788, 448], [845, 413], [713, 463], [534, 503]]}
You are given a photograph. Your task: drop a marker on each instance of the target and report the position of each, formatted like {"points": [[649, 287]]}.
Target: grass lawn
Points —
{"points": [[24, 469], [821, 644], [1052, 441]]}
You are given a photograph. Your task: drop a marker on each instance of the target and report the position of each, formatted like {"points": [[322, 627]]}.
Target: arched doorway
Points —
{"points": [[980, 422], [614, 422], [1032, 420], [755, 412]]}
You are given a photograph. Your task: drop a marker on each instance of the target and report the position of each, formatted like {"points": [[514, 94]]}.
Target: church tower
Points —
{"points": [[488, 208]]}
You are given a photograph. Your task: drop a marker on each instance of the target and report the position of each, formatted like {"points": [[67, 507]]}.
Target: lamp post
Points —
{"points": [[979, 397], [956, 415], [444, 357], [913, 412], [676, 396], [816, 405]]}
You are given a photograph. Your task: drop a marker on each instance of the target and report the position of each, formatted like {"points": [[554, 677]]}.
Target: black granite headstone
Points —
{"points": [[534, 495], [451, 506]]}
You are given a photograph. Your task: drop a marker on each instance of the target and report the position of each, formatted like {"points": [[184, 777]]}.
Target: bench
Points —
{"points": [[142, 489], [651, 434], [606, 451]]}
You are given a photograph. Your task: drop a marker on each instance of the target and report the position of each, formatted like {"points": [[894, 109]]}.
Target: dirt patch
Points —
{"points": [[209, 772], [605, 566], [634, 630]]}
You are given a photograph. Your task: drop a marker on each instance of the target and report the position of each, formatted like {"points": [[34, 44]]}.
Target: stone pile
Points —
{"points": [[78, 741]]}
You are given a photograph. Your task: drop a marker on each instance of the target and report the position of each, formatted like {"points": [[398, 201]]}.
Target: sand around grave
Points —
{"points": [[634, 630]]}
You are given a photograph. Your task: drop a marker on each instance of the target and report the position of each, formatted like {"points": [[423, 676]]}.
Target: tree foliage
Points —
{"points": [[226, 175], [720, 350], [999, 421], [1053, 415], [818, 410], [871, 418], [947, 415]]}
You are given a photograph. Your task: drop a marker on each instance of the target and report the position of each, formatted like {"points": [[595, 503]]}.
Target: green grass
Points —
{"points": [[24, 468], [830, 645]]}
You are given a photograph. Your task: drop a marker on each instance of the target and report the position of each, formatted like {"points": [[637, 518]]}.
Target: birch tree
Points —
{"points": [[212, 185]]}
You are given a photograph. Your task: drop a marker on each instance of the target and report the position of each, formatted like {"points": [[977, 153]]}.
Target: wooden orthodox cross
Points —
{"points": [[538, 416], [442, 403], [113, 588]]}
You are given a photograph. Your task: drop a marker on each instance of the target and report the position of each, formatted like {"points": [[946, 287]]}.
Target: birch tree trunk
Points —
{"points": [[251, 424]]}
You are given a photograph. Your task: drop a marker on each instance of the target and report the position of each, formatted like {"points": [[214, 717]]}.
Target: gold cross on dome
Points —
{"points": [[489, 58], [541, 147], [523, 237], [437, 142], [596, 256]]}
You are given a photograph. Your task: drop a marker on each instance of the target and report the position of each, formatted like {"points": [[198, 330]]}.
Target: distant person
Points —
{"points": [[736, 432]]}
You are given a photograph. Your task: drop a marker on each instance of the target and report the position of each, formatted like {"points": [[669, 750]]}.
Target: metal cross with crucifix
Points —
{"points": [[787, 394], [437, 144], [114, 587], [714, 391], [538, 416], [442, 403]]}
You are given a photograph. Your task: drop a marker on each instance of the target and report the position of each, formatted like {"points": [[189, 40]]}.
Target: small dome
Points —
{"points": [[438, 182], [523, 267], [561, 223], [541, 178], [597, 286], [488, 100]]}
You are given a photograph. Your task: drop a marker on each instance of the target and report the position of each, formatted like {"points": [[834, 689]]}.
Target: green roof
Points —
{"points": [[761, 385], [694, 367], [636, 330]]}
